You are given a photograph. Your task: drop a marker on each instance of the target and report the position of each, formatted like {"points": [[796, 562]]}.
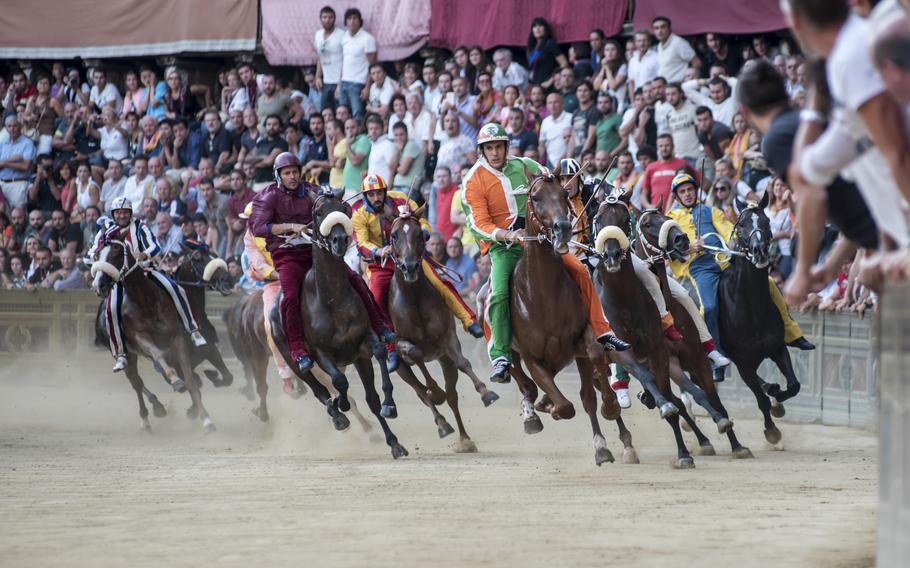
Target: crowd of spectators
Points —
{"points": [[632, 109]]}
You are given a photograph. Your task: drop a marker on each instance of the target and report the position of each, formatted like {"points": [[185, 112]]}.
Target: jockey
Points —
{"points": [[144, 246], [580, 193], [372, 220], [281, 213], [703, 270], [261, 269], [494, 198]]}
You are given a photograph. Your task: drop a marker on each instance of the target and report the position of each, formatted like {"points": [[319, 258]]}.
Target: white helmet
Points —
{"points": [[121, 203]]}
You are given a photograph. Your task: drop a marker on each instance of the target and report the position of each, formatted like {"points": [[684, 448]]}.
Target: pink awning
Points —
{"points": [[489, 23], [723, 16], [48, 29], [400, 27]]}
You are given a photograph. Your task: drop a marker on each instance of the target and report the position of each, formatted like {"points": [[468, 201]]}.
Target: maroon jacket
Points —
{"points": [[275, 204]]}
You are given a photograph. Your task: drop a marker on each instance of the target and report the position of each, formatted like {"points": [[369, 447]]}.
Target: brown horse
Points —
{"points": [[549, 322], [426, 330], [151, 326], [634, 315], [336, 326], [246, 332]]}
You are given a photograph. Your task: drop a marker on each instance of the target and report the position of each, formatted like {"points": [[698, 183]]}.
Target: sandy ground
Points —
{"points": [[81, 486]]}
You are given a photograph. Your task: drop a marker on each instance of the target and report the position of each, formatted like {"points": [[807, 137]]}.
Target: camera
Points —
{"points": [[74, 81]]}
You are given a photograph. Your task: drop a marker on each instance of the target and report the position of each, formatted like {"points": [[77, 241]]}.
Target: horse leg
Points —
{"points": [[706, 382], [180, 349], [146, 345], [365, 370], [450, 373], [389, 409], [325, 395], [260, 369], [132, 373], [247, 389], [753, 381], [436, 395], [528, 390], [339, 381], [629, 455], [698, 395], [406, 373], [589, 403], [785, 364], [461, 362], [562, 408], [157, 408], [213, 355], [658, 388]]}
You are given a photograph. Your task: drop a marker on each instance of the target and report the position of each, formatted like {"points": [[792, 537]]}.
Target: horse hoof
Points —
{"points": [[668, 409], [602, 456], [564, 412], [630, 456], [778, 410], [742, 453], [445, 430], [465, 447], [489, 398], [646, 399], [685, 426], [436, 395], [192, 412], [398, 451], [178, 385], [533, 425], [159, 411], [208, 426], [724, 425], [144, 426], [683, 463], [261, 414], [706, 450], [341, 422], [247, 391], [389, 411], [773, 435], [342, 403]]}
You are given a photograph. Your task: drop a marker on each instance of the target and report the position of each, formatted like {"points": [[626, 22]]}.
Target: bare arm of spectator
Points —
{"points": [[205, 92], [541, 150], [640, 132], [365, 93], [267, 161], [692, 89], [223, 158], [591, 139], [71, 129], [884, 119], [353, 156]]}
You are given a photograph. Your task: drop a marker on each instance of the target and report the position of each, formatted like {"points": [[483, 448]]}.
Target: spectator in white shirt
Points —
{"points": [[140, 185], [455, 149], [674, 54], [328, 66], [556, 132], [114, 185], [381, 90], [680, 123], [382, 150], [431, 89], [643, 66], [721, 97], [508, 72], [104, 94], [358, 53]]}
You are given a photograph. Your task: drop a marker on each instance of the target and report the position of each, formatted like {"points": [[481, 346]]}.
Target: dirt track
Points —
{"points": [[80, 486]]}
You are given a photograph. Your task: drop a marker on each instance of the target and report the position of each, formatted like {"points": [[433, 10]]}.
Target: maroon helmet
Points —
{"points": [[284, 160]]}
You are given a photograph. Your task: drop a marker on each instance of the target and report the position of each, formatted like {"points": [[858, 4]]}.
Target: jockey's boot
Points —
{"points": [[304, 363], [120, 363], [476, 330], [500, 373], [610, 342], [197, 338], [802, 344], [672, 333], [620, 385], [387, 336], [718, 360]]}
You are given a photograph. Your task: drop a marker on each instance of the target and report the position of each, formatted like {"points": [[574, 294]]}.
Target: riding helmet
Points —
{"points": [[682, 179], [569, 167], [373, 182], [491, 132], [121, 203], [284, 160]]}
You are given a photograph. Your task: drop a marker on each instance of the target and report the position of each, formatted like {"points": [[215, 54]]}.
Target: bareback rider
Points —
{"points": [[372, 220], [579, 193], [144, 247], [494, 200], [281, 212], [703, 270]]}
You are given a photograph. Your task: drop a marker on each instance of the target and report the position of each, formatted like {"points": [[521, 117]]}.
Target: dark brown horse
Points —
{"points": [[151, 326], [633, 313], [426, 331], [550, 324], [336, 326]]}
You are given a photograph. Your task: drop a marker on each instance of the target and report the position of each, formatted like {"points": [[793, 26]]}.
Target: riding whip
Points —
{"points": [[596, 190]]}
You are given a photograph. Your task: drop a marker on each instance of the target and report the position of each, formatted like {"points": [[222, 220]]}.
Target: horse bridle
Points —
{"points": [[742, 246], [653, 254], [126, 269], [546, 233], [197, 272]]}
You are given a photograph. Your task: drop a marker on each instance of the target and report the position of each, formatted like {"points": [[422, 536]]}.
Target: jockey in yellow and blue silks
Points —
{"points": [[703, 270]]}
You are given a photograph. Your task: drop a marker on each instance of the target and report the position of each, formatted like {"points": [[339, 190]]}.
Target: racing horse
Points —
{"points": [[336, 326], [249, 339], [632, 311], [550, 326], [151, 326], [426, 330]]}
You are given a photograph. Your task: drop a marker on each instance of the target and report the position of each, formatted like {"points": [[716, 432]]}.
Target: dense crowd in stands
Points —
{"points": [[190, 156]]}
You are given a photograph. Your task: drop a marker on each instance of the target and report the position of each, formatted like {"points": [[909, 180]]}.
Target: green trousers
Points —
{"points": [[498, 314]]}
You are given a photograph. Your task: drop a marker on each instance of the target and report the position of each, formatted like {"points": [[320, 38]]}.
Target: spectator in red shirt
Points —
{"points": [[655, 186], [440, 205]]}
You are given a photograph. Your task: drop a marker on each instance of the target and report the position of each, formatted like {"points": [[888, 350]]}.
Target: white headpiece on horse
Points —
{"points": [[336, 218]]}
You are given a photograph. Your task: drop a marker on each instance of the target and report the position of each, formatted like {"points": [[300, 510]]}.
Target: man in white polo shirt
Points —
{"points": [[674, 54], [556, 132], [358, 49], [329, 49]]}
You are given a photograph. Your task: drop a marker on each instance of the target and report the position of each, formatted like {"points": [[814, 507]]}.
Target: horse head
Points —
{"points": [[332, 224], [408, 242], [111, 264], [548, 210], [661, 235], [201, 266], [752, 233], [613, 226]]}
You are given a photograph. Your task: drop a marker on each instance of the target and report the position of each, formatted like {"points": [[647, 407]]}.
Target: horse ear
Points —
{"points": [[739, 205], [420, 211], [763, 203], [627, 196], [557, 171]]}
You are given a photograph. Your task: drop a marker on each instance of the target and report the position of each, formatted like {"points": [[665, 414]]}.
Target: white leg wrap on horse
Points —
{"points": [[681, 295], [178, 296], [652, 285]]}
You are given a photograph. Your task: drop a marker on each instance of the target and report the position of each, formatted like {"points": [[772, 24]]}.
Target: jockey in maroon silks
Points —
{"points": [[280, 214]]}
